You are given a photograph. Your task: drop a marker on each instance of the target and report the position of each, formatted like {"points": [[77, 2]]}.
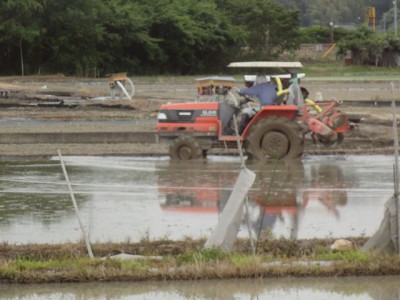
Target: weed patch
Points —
{"points": [[187, 260]]}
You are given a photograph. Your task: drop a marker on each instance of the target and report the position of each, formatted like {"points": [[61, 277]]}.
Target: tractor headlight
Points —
{"points": [[161, 116]]}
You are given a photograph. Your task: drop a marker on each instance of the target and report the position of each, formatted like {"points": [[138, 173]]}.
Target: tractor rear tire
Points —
{"points": [[274, 137], [185, 148]]}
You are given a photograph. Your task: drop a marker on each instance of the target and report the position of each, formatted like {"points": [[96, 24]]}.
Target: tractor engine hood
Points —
{"points": [[187, 112], [190, 106]]}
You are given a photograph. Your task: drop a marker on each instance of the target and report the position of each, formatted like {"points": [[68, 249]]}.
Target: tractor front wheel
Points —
{"points": [[185, 148], [276, 138]]}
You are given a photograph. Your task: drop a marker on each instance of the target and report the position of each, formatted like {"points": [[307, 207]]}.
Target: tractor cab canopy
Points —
{"points": [[287, 84], [290, 67], [249, 80]]}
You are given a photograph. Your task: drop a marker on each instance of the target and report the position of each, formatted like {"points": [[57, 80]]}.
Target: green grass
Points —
{"points": [[226, 266], [338, 71], [203, 264], [188, 260], [314, 71], [328, 70]]}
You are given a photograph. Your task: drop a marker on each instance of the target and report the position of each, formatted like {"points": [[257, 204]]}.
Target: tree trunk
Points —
{"points": [[22, 58]]}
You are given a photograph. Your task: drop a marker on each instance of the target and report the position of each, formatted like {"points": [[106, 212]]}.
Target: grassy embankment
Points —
{"points": [[335, 71], [338, 71], [325, 71], [186, 260]]}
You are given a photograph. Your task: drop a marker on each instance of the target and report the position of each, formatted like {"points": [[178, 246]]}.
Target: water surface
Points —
{"points": [[348, 288], [134, 198]]}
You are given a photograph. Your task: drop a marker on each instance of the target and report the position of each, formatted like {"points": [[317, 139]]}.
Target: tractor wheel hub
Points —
{"points": [[275, 144]]}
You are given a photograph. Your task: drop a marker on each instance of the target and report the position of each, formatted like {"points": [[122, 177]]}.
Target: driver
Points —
{"points": [[262, 89]]}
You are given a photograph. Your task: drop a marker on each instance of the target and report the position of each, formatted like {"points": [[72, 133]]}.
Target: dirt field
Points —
{"points": [[58, 104]]}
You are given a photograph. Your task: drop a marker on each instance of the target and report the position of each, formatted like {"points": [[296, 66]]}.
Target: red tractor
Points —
{"points": [[276, 131]]}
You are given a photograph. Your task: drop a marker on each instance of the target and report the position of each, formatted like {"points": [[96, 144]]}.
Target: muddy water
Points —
{"points": [[351, 288], [133, 198]]}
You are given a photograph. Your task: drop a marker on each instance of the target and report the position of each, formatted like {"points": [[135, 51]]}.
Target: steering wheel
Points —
{"points": [[245, 100]]}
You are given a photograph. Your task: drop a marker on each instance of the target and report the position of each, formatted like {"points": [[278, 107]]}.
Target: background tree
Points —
{"points": [[73, 32], [19, 25], [391, 51], [321, 34], [271, 29], [368, 47], [127, 44], [193, 35], [96, 37]]}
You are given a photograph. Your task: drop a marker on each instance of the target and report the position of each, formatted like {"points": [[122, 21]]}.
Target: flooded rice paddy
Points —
{"points": [[136, 198], [349, 288]]}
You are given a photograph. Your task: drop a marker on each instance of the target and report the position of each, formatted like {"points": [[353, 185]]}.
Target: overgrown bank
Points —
{"points": [[186, 260]]}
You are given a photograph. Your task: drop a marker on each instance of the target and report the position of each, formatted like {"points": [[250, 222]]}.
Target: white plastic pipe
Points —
{"points": [[121, 86], [132, 87], [89, 248]]}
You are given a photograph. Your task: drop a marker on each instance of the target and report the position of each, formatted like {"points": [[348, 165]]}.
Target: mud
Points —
{"points": [[61, 104]]}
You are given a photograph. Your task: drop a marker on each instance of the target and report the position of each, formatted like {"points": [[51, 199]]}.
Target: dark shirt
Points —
{"points": [[265, 92]]}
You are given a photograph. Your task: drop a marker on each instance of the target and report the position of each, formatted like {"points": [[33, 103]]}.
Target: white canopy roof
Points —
{"points": [[266, 64], [221, 78], [253, 77]]}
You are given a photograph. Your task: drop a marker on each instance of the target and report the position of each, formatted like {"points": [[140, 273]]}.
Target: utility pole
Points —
{"points": [[331, 22], [395, 17], [384, 23]]}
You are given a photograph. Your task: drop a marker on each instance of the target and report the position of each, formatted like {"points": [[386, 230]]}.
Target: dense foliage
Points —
{"points": [[96, 37], [320, 34], [370, 48]]}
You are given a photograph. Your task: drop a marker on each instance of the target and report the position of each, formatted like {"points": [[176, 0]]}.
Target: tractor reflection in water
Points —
{"points": [[282, 191]]}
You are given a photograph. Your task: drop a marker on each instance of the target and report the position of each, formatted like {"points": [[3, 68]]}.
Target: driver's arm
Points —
{"points": [[251, 91], [242, 101], [245, 100]]}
